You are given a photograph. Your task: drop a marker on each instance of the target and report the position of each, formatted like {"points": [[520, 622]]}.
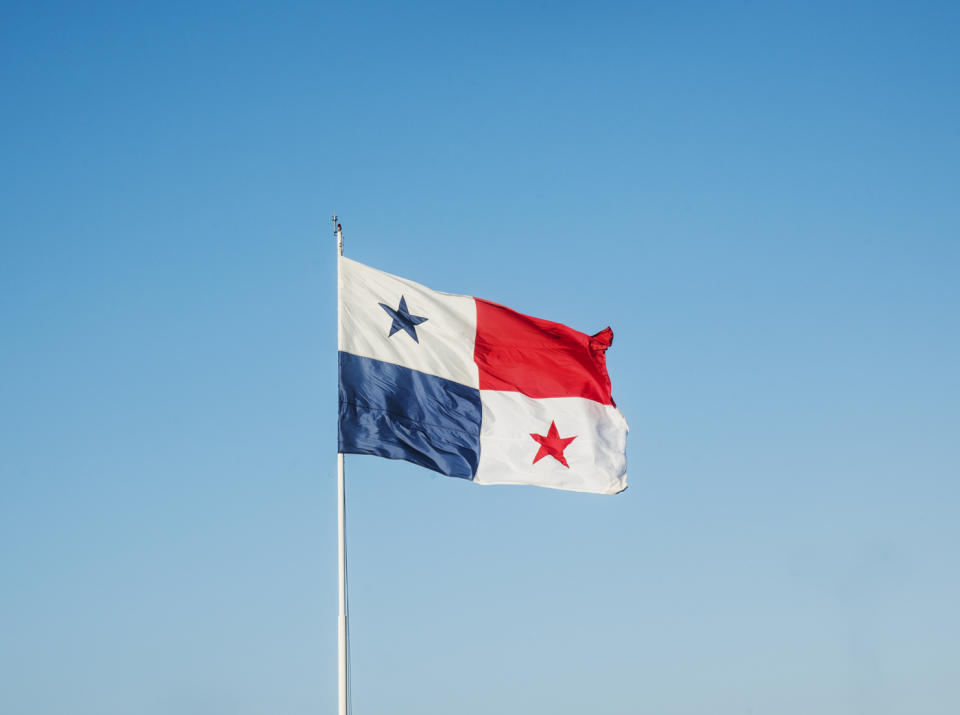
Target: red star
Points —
{"points": [[553, 444]]}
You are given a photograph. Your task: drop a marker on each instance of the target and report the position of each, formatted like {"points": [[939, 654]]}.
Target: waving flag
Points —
{"points": [[472, 389]]}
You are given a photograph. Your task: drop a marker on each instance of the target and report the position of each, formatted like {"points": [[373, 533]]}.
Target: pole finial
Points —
{"points": [[337, 232]]}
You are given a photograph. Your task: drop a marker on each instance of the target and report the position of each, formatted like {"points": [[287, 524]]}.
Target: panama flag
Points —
{"points": [[472, 389]]}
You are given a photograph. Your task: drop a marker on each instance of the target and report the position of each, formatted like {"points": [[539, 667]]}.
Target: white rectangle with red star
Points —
{"points": [[582, 445]]}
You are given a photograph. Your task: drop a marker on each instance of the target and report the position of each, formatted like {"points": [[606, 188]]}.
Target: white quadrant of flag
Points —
{"points": [[444, 340], [508, 448]]}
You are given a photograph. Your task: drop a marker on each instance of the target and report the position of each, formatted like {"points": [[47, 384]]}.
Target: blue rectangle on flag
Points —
{"points": [[393, 411]]}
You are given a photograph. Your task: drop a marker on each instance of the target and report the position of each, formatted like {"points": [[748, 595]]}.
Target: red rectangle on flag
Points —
{"points": [[539, 358]]}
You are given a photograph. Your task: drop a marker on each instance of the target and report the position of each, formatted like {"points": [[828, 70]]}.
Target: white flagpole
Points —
{"points": [[341, 523]]}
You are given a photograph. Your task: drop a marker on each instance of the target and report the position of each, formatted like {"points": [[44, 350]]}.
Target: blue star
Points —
{"points": [[402, 320]]}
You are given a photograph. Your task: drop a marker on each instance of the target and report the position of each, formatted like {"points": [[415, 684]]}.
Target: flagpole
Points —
{"points": [[341, 525]]}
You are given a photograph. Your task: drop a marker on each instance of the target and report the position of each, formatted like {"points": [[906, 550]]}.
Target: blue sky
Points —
{"points": [[761, 199]]}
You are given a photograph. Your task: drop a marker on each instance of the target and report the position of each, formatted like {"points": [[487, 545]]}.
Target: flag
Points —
{"points": [[473, 389]]}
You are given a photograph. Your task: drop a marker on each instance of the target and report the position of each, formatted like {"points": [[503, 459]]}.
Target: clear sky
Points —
{"points": [[760, 198]]}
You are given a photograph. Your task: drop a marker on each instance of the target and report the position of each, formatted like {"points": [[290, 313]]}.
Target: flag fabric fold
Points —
{"points": [[473, 389]]}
